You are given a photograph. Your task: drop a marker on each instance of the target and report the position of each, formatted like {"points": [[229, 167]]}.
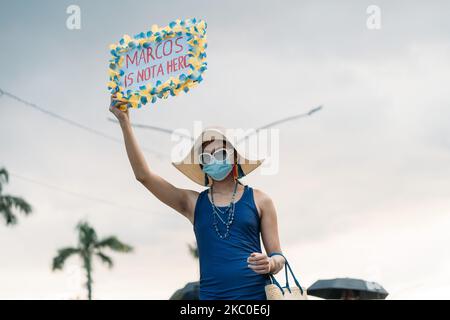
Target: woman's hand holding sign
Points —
{"points": [[115, 108]]}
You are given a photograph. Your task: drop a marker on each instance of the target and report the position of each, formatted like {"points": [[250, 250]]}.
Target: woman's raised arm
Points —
{"points": [[182, 200]]}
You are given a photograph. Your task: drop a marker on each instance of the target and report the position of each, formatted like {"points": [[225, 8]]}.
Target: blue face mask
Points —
{"points": [[218, 170]]}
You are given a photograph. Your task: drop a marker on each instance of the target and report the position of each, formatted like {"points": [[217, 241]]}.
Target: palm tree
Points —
{"points": [[8, 203], [89, 247], [193, 250]]}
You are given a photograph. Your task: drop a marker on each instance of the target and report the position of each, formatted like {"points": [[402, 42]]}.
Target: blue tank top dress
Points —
{"points": [[224, 271]]}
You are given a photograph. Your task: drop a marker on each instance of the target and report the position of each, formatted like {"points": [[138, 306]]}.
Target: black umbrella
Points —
{"points": [[189, 292], [347, 288]]}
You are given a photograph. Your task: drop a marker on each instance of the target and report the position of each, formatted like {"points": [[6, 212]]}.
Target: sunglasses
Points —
{"points": [[221, 154]]}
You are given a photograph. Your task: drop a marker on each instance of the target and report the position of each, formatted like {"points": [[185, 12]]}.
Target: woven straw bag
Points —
{"points": [[275, 292]]}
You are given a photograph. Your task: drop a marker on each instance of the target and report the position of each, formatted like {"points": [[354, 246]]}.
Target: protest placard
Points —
{"points": [[159, 63]]}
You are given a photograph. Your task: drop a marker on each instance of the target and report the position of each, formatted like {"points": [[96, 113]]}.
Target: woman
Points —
{"points": [[228, 217]]}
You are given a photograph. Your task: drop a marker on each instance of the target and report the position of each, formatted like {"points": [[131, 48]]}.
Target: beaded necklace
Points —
{"points": [[217, 212]]}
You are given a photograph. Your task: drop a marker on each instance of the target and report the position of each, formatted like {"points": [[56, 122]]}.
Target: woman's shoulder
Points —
{"points": [[204, 192], [262, 200], [202, 195], [261, 196]]}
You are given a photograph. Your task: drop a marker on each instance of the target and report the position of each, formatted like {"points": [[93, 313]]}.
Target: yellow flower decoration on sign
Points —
{"points": [[194, 30]]}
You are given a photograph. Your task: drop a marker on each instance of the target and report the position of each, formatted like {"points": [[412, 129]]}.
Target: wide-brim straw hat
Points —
{"points": [[190, 165]]}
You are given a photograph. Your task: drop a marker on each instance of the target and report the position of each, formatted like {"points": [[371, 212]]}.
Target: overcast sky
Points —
{"points": [[363, 187]]}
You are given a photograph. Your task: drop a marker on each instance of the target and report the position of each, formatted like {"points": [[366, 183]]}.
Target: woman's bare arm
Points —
{"points": [[182, 200], [258, 261], [269, 229]]}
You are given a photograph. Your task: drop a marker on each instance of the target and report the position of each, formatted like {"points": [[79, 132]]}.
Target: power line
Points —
{"points": [[271, 124], [155, 128], [70, 122], [302, 115], [76, 194]]}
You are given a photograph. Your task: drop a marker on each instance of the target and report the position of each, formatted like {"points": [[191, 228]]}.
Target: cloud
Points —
{"points": [[363, 185]]}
